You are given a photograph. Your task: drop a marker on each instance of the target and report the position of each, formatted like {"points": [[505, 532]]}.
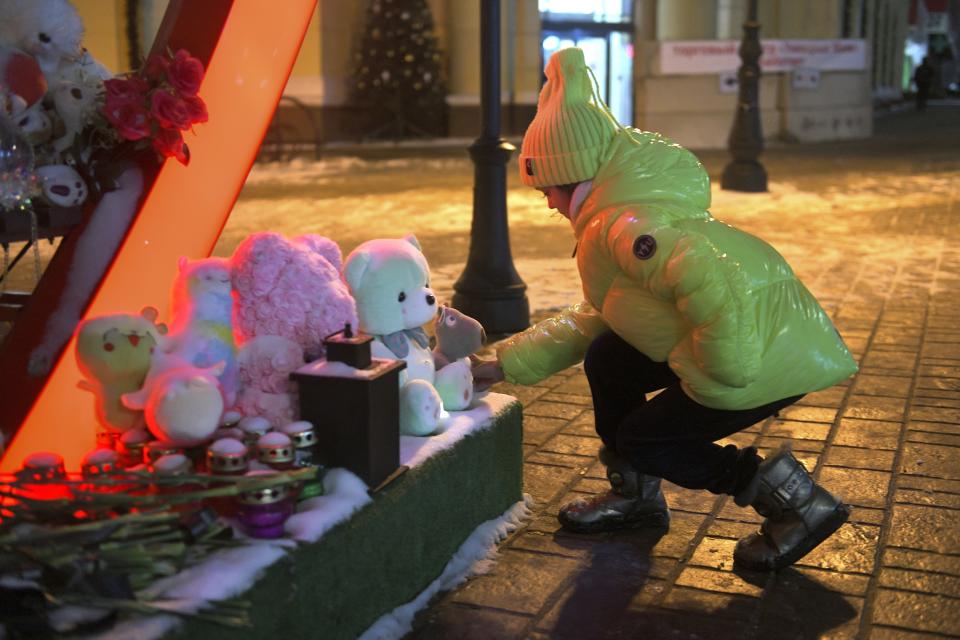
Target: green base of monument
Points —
{"points": [[389, 551]]}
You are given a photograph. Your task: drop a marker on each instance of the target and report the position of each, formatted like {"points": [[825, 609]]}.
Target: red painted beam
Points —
{"points": [[248, 49]]}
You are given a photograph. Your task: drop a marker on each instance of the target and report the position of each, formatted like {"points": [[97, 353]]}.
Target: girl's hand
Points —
{"points": [[486, 373]]}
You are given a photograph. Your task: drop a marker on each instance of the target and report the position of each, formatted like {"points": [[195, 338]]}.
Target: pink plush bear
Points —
{"points": [[290, 288], [265, 386], [288, 296]]}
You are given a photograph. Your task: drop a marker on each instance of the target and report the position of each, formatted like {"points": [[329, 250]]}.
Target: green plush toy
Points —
{"points": [[114, 354]]}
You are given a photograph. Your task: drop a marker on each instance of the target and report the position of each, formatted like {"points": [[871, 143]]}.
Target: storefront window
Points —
{"points": [[616, 11], [604, 30]]}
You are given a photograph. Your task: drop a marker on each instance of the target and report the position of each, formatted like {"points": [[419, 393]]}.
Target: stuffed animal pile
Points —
{"points": [[49, 87], [238, 327]]}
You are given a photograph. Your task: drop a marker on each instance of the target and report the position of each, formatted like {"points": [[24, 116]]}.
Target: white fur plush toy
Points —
{"points": [[182, 403], [52, 32], [75, 104], [33, 122], [390, 282]]}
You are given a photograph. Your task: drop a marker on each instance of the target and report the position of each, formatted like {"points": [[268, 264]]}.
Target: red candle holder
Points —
{"points": [[157, 449], [43, 466], [253, 427], [304, 440], [228, 457], [43, 477], [276, 449], [107, 439], [100, 463], [131, 445]]}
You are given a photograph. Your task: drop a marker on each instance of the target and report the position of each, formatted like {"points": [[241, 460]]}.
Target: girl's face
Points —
{"points": [[558, 199]]}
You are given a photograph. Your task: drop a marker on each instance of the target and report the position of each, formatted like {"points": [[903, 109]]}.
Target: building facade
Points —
{"points": [[662, 65]]}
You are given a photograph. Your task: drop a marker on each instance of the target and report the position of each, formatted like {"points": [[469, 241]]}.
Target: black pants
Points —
{"points": [[669, 436]]}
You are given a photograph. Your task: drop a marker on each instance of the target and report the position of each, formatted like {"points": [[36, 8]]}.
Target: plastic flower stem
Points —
{"points": [[69, 530], [135, 606], [241, 485]]}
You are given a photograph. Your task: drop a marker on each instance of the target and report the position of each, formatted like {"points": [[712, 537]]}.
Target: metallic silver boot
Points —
{"points": [[799, 514], [634, 501]]}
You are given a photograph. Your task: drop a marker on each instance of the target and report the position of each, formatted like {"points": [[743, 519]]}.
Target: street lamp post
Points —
{"points": [[744, 172], [490, 289]]}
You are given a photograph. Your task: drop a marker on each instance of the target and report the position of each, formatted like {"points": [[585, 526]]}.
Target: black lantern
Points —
{"points": [[353, 401]]}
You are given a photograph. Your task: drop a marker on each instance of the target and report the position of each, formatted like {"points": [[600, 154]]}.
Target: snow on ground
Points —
{"points": [[230, 572], [551, 284], [302, 171], [806, 216]]}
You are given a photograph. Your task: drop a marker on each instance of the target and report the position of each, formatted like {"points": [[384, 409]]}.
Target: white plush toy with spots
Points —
{"points": [[75, 104], [390, 282], [62, 185], [32, 122]]}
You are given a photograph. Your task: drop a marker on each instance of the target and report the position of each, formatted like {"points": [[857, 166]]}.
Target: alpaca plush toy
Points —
{"points": [[49, 30], [114, 354], [201, 330], [193, 376], [390, 282]]}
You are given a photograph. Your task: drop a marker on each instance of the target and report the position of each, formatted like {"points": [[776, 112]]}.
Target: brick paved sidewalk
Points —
{"points": [[887, 441]]}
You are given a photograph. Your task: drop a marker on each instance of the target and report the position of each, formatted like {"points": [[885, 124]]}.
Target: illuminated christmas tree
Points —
{"points": [[397, 76]]}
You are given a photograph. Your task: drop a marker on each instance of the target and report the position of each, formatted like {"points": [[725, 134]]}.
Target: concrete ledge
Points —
{"points": [[392, 549]]}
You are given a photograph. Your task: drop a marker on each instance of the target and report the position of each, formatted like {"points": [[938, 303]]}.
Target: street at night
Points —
{"points": [[495, 320], [871, 227]]}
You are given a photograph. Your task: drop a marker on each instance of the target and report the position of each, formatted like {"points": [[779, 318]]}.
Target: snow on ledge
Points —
{"points": [[230, 572], [346, 493], [414, 450]]}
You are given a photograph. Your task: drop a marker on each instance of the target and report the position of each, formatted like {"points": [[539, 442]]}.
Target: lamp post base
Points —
{"points": [[502, 311], [490, 289], [749, 176]]}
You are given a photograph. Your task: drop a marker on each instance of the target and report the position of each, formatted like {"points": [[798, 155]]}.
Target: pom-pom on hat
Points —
{"points": [[566, 141]]}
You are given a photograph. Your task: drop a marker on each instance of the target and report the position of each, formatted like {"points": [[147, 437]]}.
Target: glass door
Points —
{"points": [[603, 29]]}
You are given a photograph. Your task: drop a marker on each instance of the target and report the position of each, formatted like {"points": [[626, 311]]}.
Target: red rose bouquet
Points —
{"points": [[157, 104]]}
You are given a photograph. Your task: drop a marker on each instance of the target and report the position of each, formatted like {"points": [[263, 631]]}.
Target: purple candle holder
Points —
{"points": [[263, 512]]}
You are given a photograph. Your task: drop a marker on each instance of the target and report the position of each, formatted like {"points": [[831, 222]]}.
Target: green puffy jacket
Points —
{"points": [[721, 306]]}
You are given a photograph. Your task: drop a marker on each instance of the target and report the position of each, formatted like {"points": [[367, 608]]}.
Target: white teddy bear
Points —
{"points": [[390, 282], [51, 31]]}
